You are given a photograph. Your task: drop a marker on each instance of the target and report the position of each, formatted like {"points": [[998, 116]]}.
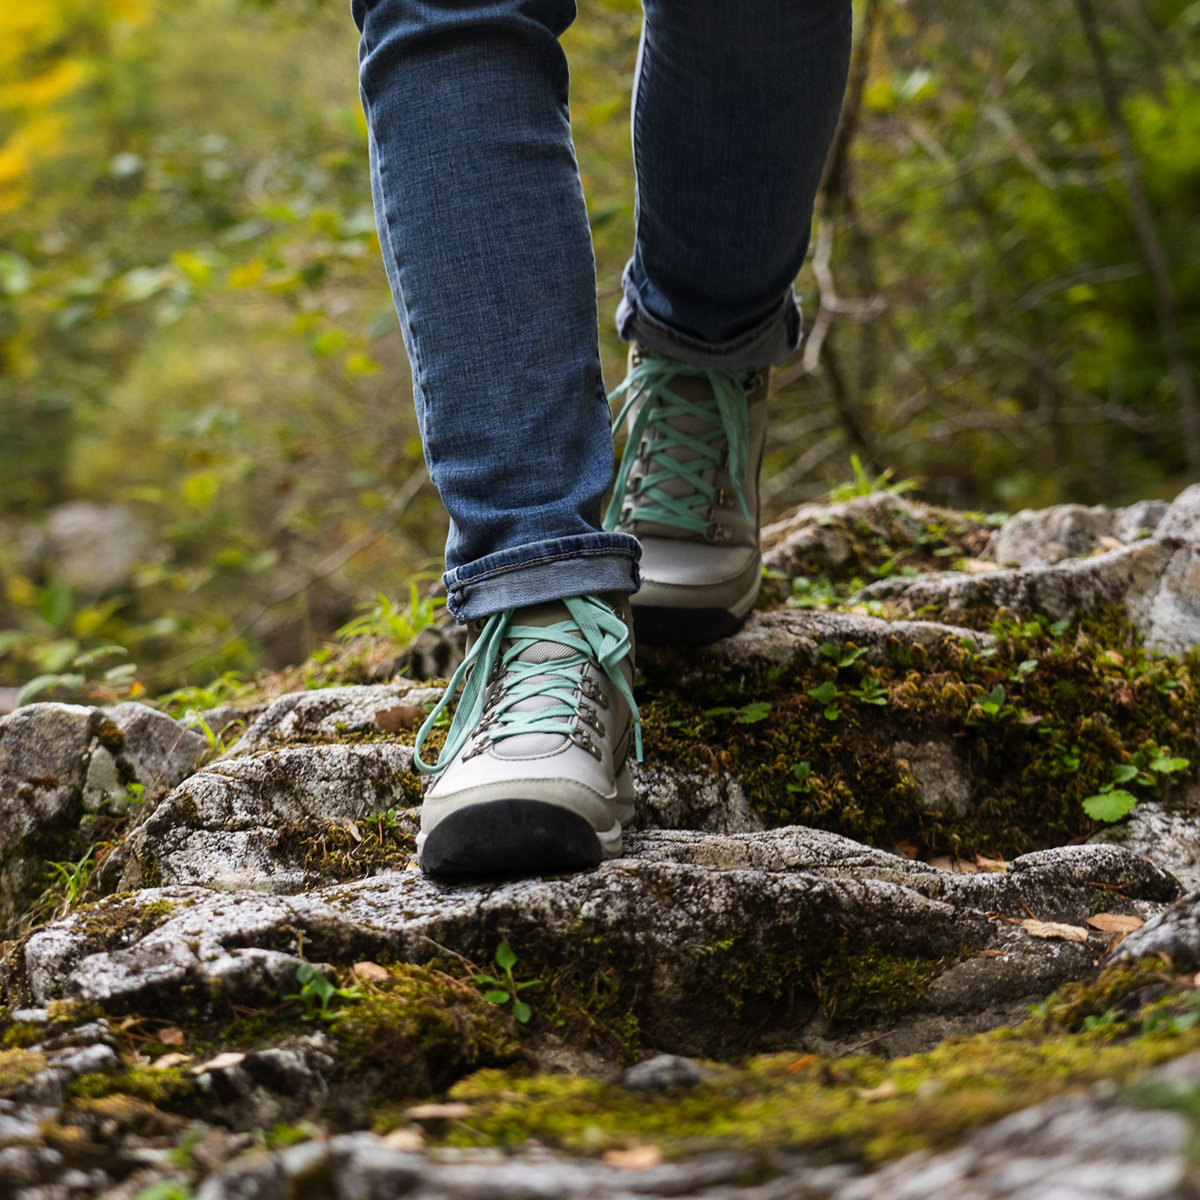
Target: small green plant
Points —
{"points": [[812, 593], [504, 989], [870, 691], [992, 709], [216, 745], [66, 884], [165, 1189], [840, 656], [1113, 802], [1025, 668], [826, 695], [381, 619], [747, 714], [864, 484], [800, 776], [112, 683], [322, 999]]}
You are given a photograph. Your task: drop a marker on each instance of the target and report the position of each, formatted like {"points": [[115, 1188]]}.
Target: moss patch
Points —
{"points": [[1043, 720], [18, 1067], [857, 1108]]}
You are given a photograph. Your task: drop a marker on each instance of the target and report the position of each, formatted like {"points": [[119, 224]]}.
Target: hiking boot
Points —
{"points": [[534, 775], [687, 489]]}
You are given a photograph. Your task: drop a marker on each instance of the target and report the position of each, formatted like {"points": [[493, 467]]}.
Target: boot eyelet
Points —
{"points": [[717, 532]]}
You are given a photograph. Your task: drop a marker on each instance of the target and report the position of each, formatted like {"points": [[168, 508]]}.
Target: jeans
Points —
{"points": [[487, 249]]}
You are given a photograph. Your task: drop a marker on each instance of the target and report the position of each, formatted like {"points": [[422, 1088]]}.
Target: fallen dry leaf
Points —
{"points": [[887, 1090], [1110, 543], [171, 1037], [230, 1058], [451, 1111], [637, 1158], [975, 566], [1054, 929], [371, 971], [352, 830], [163, 1062], [907, 849], [805, 1060], [990, 954], [960, 866], [993, 866], [403, 716], [1115, 923], [405, 1139]]}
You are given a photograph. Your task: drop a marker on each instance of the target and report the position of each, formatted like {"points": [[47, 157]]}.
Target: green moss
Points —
{"points": [[854, 983], [858, 1108], [21, 1034], [334, 853], [1076, 702], [119, 919], [18, 1066], [172, 1088], [417, 1032]]}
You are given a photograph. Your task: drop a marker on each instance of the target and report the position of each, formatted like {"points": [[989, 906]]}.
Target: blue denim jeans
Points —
{"points": [[487, 249]]}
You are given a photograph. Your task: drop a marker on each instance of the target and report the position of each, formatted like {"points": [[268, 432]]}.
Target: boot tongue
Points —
{"points": [[531, 745]]}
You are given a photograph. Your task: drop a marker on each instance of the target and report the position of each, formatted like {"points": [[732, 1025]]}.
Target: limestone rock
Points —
{"points": [[1169, 835], [93, 548], [263, 822], [941, 780], [1156, 579], [681, 913], [58, 760], [1042, 537], [822, 538], [1174, 933], [337, 713], [777, 641], [1090, 1147]]}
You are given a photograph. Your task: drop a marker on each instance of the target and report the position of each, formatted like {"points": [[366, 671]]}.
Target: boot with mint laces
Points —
{"points": [[687, 489], [534, 776]]}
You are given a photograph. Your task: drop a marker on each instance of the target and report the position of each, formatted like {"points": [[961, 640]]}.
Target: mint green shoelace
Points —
{"points": [[593, 634], [650, 381]]}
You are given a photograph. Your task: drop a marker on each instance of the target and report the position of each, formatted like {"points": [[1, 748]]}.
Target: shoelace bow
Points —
{"points": [[650, 380], [593, 634]]}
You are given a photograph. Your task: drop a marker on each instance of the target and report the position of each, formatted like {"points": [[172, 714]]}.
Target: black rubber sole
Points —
{"points": [[660, 626], [510, 837]]}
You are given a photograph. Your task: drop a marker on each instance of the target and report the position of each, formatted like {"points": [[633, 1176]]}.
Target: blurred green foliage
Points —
{"points": [[194, 320]]}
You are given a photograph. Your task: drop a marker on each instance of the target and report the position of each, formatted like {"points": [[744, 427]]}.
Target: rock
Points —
{"points": [[942, 782], [1173, 935], [93, 548], [662, 1073], [266, 821], [1156, 579], [1042, 537], [787, 638], [686, 914], [673, 799], [58, 761], [1166, 835], [332, 714], [821, 539], [1078, 1147]]}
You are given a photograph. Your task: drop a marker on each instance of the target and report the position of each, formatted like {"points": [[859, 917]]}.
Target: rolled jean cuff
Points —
{"points": [[767, 344], [572, 566]]}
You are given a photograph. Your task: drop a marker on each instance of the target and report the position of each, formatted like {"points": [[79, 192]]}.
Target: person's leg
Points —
{"points": [[487, 248], [734, 109]]}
